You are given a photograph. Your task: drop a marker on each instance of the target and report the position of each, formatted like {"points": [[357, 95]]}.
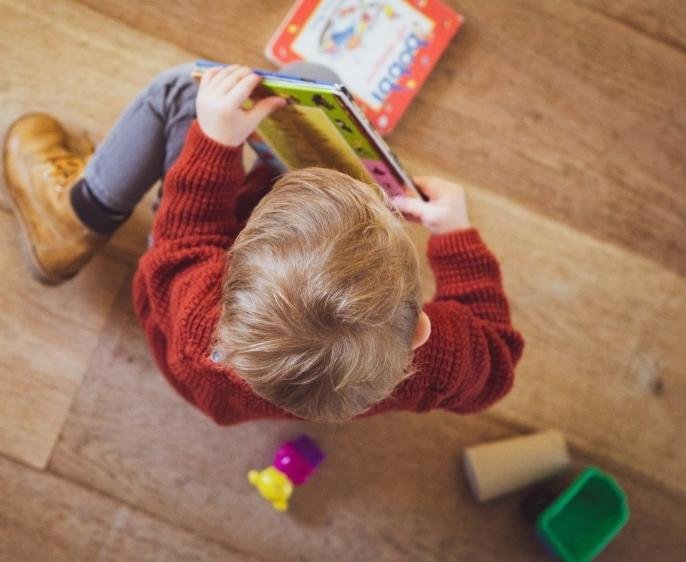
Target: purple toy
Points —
{"points": [[294, 463], [297, 459]]}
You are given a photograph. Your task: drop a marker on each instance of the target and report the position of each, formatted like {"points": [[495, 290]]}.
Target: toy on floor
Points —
{"points": [[576, 523], [294, 463], [499, 467]]}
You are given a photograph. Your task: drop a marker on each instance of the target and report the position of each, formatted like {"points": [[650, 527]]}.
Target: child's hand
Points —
{"points": [[445, 211], [218, 104]]}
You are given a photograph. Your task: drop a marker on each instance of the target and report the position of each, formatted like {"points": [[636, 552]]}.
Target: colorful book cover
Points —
{"points": [[321, 126], [382, 50], [318, 128]]}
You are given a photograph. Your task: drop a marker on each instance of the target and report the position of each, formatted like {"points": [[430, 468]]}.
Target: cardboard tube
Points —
{"points": [[496, 468]]}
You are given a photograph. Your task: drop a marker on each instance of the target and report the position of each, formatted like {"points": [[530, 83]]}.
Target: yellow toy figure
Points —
{"points": [[293, 464], [274, 486]]}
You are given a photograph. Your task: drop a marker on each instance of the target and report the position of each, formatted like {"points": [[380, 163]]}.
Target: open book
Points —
{"points": [[323, 126]]}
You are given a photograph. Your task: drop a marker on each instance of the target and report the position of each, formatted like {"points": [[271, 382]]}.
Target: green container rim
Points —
{"points": [[545, 518]]}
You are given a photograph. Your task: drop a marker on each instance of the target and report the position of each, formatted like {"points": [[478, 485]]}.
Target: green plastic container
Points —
{"points": [[583, 520]]}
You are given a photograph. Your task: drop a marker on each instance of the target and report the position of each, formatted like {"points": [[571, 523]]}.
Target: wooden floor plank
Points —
{"points": [[46, 336], [45, 519], [568, 112], [564, 109], [664, 20], [390, 489], [46, 344], [604, 329], [112, 62]]}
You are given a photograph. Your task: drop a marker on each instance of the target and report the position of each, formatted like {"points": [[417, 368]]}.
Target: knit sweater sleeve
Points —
{"points": [[177, 287], [471, 353], [200, 193]]}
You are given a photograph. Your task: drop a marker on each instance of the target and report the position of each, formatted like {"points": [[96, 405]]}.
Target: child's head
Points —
{"points": [[321, 299]]}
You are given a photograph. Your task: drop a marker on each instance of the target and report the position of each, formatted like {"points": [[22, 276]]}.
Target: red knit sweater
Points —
{"points": [[466, 365]]}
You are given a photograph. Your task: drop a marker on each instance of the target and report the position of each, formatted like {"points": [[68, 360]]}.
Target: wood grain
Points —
{"points": [[559, 115], [551, 104], [664, 20], [604, 359], [47, 336], [44, 518], [390, 489], [46, 343], [567, 112]]}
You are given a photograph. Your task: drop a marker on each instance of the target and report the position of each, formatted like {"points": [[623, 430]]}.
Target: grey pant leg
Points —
{"points": [[148, 137], [145, 142]]}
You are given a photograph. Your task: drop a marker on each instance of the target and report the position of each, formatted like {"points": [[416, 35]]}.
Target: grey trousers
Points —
{"points": [[149, 135], [145, 141]]}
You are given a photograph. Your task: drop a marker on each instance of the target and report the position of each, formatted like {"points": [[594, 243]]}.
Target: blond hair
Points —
{"points": [[321, 297]]}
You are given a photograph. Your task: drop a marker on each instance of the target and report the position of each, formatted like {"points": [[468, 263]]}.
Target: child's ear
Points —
{"points": [[422, 331]]}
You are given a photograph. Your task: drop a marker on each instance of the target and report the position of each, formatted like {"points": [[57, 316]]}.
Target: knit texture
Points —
{"points": [[465, 366]]}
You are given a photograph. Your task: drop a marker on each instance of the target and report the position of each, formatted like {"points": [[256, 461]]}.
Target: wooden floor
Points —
{"points": [[566, 121]]}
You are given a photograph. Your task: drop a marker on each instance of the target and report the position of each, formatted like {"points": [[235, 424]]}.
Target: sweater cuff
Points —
{"points": [[455, 242], [212, 160]]}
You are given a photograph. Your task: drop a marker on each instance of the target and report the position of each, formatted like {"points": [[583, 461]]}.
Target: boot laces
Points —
{"points": [[63, 170]]}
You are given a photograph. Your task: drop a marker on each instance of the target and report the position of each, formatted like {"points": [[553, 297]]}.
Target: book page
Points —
{"points": [[301, 136]]}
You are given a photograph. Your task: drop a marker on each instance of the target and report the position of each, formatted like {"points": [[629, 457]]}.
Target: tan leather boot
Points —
{"points": [[40, 169]]}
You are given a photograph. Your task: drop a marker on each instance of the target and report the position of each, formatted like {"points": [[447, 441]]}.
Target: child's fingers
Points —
{"points": [[410, 205], [224, 71], [229, 82], [428, 186], [243, 88], [264, 107], [221, 74], [208, 75]]}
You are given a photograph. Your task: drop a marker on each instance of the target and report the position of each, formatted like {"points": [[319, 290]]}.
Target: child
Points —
{"points": [[310, 309]]}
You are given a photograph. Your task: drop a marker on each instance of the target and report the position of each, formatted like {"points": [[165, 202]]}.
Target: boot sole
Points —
{"points": [[25, 243]]}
